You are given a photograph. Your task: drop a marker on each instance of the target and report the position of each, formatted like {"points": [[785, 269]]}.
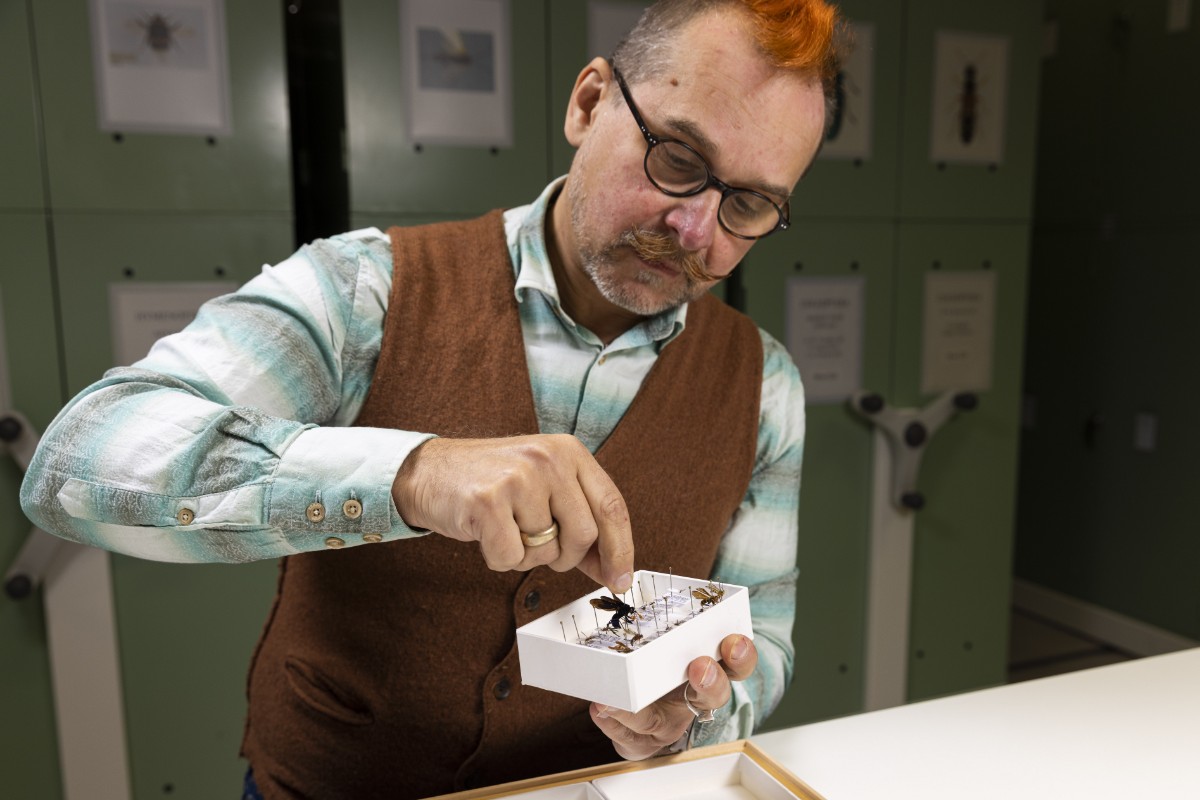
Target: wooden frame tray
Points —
{"points": [[740, 767]]}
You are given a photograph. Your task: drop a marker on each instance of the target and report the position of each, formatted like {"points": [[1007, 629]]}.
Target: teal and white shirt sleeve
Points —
{"points": [[217, 445]]}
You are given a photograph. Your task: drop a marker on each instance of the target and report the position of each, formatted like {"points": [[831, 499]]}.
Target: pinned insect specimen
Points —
{"points": [[623, 613], [708, 595], [621, 647]]}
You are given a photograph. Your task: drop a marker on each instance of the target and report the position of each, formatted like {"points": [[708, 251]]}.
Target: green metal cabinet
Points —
{"points": [[20, 165], [90, 169], [835, 496], [388, 175]]}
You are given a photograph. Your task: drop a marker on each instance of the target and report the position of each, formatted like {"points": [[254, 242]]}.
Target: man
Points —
{"points": [[553, 383]]}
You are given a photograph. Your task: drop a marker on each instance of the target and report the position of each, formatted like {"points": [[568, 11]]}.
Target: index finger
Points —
{"points": [[610, 559]]}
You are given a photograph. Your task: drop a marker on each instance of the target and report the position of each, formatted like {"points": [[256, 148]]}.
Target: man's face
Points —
{"points": [[757, 127]]}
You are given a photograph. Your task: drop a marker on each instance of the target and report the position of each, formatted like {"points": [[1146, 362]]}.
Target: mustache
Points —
{"points": [[651, 246]]}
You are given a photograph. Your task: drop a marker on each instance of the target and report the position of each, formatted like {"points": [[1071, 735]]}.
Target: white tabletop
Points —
{"points": [[1130, 730]]}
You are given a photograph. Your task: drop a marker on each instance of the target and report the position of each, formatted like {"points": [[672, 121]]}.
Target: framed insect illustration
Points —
{"points": [[457, 76], [970, 76], [629, 650], [161, 66], [849, 132]]}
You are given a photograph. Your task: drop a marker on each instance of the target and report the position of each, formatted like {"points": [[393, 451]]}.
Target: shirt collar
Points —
{"points": [[525, 229]]}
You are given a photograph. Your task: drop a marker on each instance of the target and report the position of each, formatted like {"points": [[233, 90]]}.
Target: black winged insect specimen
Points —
{"points": [[623, 613]]}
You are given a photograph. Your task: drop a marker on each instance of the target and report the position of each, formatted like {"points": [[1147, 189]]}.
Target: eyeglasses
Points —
{"points": [[676, 169]]}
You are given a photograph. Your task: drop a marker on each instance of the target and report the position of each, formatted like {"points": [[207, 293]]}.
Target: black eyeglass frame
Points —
{"points": [[653, 141]]}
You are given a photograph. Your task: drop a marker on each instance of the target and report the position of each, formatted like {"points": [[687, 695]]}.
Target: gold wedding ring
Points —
{"points": [[539, 539]]}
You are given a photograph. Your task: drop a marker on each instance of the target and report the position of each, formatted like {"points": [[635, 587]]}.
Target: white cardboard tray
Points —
{"points": [[553, 658]]}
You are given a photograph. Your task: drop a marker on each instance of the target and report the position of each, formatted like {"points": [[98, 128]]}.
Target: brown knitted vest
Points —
{"points": [[390, 670]]}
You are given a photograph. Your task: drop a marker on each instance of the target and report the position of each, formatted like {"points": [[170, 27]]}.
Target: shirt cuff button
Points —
{"points": [[372, 538], [315, 512], [185, 516], [352, 509], [334, 542]]}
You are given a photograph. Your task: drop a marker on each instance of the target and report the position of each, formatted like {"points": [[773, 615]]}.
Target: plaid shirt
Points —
{"points": [[243, 419]]}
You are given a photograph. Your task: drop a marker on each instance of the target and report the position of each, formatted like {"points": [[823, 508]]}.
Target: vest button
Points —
{"points": [[503, 689], [533, 600], [315, 512]]}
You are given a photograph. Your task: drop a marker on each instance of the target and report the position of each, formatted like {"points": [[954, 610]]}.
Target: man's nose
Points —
{"points": [[694, 219]]}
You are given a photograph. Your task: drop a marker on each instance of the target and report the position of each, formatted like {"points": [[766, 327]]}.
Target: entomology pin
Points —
{"points": [[576, 628], [596, 617], [654, 586], [564, 627]]}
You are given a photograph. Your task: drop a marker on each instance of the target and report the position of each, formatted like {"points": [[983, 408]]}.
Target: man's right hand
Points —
{"points": [[490, 490]]}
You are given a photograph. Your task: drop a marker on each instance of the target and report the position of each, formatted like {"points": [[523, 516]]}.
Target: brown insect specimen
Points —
{"points": [[709, 595]]}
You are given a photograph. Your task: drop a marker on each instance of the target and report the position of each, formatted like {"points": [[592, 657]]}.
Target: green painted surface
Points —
{"points": [[1099, 519], [970, 191], [866, 188], [835, 495], [28, 743], [1111, 309], [187, 633], [963, 537], [387, 173], [89, 170], [95, 250], [20, 164]]}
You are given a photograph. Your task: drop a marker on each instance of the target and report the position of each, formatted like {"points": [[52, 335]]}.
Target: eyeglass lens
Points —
{"points": [[678, 170]]}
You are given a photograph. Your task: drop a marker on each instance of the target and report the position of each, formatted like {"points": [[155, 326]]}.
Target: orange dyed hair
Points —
{"points": [[801, 35], [797, 34]]}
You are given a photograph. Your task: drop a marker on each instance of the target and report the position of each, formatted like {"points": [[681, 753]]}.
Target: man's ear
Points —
{"points": [[591, 88]]}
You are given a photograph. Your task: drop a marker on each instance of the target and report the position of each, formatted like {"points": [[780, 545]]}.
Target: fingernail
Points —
{"points": [[622, 584], [710, 675], [739, 650], [602, 712]]}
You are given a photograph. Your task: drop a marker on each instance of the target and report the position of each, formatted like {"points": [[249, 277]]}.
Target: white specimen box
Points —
{"points": [[553, 658]]}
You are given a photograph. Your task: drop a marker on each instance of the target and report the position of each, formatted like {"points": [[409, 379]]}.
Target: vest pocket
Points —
{"points": [[322, 694]]}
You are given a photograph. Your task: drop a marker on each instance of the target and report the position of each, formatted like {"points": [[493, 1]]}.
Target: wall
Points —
{"points": [[894, 218], [1114, 278]]}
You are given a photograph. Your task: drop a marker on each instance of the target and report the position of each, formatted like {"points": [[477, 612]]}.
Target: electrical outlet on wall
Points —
{"points": [[1145, 432]]}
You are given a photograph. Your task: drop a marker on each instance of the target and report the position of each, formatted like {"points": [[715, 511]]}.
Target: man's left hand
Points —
{"points": [[660, 724]]}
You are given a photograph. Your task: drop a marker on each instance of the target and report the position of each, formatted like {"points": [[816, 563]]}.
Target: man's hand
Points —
{"points": [[490, 490], [660, 724]]}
